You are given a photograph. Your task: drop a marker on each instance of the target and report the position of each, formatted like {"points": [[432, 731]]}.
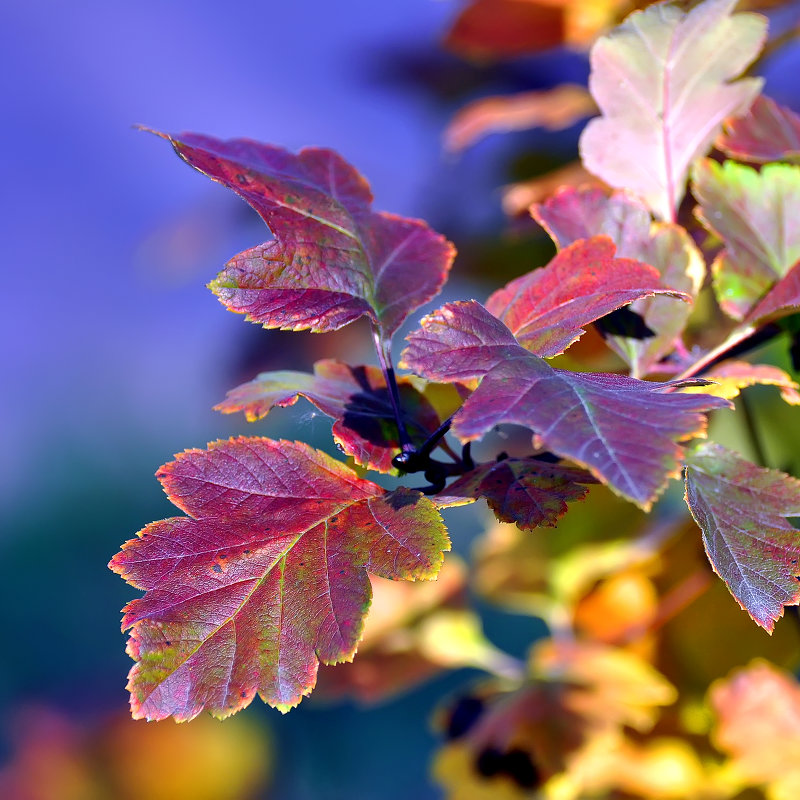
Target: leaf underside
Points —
{"points": [[768, 132]]}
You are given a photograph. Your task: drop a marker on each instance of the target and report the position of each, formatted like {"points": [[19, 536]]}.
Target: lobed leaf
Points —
{"points": [[662, 81], [265, 578], [333, 259], [780, 301], [730, 377], [768, 132], [526, 491], [574, 214], [753, 213], [547, 308], [355, 397], [625, 431], [743, 512]]}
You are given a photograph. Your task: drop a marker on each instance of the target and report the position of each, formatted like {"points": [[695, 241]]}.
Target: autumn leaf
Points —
{"points": [[526, 491], [743, 511], [553, 109], [752, 212], [757, 712], [333, 259], [780, 301], [730, 377], [355, 397], [573, 214], [625, 431], [768, 132], [662, 81], [265, 578], [546, 309]]}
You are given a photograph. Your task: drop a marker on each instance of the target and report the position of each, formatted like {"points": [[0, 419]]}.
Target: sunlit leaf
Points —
{"points": [[546, 309], [333, 259], [526, 491], [266, 578], [573, 214], [743, 512], [553, 109], [768, 132], [730, 377], [355, 397], [662, 81], [753, 213], [625, 431]]}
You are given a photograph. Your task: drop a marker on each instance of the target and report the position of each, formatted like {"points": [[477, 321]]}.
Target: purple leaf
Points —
{"points": [[266, 578], [742, 510], [780, 301], [333, 259]]}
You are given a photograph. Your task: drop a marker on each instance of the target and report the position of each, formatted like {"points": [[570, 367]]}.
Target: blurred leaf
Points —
{"points": [[662, 82], [742, 510], [730, 377], [758, 726], [752, 213], [553, 109], [518, 197], [356, 397], [266, 577], [767, 132], [334, 259], [782, 300]]}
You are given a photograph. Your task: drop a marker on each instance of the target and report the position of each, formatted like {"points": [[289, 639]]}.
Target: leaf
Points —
{"points": [[625, 431], [742, 510], [333, 259], [730, 377], [578, 213], [757, 713], [553, 109], [768, 132], [546, 309], [662, 82], [526, 491], [517, 197], [266, 578], [780, 301], [753, 213], [356, 397]]}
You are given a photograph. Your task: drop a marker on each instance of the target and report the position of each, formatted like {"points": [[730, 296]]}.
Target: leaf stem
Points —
{"points": [[737, 335], [752, 430], [383, 349]]}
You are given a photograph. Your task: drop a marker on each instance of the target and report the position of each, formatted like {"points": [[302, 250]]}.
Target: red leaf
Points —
{"points": [[334, 259], [265, 579], [625, 431], [546, 309], [526, 491], [662, 82], [768, 132], [579, 213], [781, 300], [742, 510], [356, 397], [753, 213]]}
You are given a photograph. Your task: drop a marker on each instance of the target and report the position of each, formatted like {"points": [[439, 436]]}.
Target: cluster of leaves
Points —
{"points": [[266, 575]]}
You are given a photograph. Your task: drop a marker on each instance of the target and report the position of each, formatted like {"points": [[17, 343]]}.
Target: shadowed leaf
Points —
{"points": [[355, 397], [526, 491], [742, 510], [768, 132], [333, 259], [546, 309], [780, 301], [266, 578], [754, 215], [662, 82]]}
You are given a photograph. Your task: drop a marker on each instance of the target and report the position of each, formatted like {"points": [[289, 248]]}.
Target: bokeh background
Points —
{"points": [[113, 352]]}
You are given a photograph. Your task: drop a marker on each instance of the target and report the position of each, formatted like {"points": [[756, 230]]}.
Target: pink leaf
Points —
{"points": [[333, 259], [547, 308], [742, 510], [265, 578], [768, 132], [662, 82], [781, 300]]}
